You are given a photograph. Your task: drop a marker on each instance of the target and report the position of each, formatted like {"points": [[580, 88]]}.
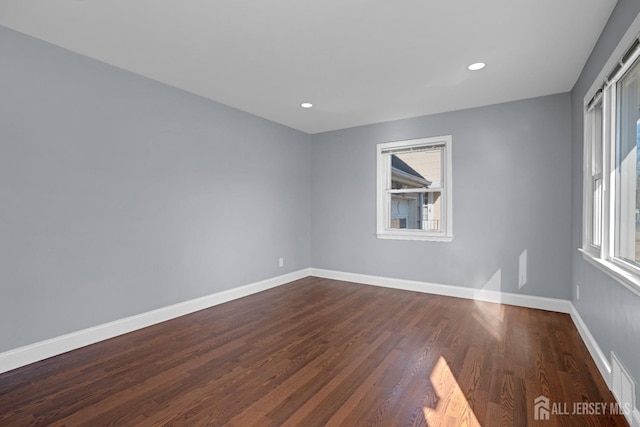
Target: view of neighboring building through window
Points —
{"points": [[611, 210], [412, 189], [420, 170]]}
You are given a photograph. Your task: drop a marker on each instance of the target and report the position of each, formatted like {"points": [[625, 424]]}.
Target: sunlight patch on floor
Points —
{"points": [[452, 408]]}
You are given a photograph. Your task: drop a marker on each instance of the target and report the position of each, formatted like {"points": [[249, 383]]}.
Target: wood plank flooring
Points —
{"points": [[319, 352]]}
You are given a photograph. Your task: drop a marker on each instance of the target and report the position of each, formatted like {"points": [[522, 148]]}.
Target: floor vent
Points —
{"points": [[623, 388]]}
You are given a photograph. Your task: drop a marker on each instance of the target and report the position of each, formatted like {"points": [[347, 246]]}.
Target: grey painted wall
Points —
{"points": [[119, 195], [512, 192], [611, 311]]}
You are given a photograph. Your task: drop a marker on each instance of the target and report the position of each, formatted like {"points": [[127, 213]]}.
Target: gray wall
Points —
{"points": [[512, 192], [119, 195], [611, 311]]}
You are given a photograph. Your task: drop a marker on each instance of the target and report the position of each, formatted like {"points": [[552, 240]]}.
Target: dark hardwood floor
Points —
{"points": [[318, 352]]}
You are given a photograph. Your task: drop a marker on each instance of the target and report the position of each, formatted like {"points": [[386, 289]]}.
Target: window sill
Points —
{"points": [[392, 235], [628, 279]]}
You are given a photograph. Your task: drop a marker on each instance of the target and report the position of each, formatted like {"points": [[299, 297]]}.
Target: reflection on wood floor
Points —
{"points": [[319, 352]]}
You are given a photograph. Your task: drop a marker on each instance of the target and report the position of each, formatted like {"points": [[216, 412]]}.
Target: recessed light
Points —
{"points": [[476, 66], [306, 105]]}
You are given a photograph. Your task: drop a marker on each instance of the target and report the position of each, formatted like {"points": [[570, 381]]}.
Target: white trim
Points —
{"points": [[383, 165], [543, 303], [605, 257], [415, 235], [22, 356], [622, 275], [596, 352], [587, 179], [599, 358], [632, 32]]}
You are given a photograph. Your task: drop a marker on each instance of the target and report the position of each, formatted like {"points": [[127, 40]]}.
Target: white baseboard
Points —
{"points": [[542, 303], [28, 354], [550, 304], [592, 345], [22, 356], [599, 358]]}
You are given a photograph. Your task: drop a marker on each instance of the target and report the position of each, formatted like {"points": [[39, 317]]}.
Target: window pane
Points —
{"points": [[627, 197], [597, 138], [596, 175], [417, 168], [414, 192], [596, 216], [417, 211]]}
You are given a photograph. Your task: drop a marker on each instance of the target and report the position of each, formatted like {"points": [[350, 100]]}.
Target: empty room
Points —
{"points": [[337, 213]]}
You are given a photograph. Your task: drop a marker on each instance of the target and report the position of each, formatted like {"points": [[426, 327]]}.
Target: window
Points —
{"points": [[611, 210], [627, 237], [414, 189], [593, 151]]}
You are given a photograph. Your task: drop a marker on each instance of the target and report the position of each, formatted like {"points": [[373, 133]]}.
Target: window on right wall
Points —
{"points": [[611, 209]]}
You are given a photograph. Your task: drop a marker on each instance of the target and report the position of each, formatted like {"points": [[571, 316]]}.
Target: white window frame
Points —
{"points": [[384, 231], [590, 244], [603, 256]]}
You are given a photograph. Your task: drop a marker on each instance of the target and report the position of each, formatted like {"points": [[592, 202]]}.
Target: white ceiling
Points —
{"points": [[357, 61]]}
